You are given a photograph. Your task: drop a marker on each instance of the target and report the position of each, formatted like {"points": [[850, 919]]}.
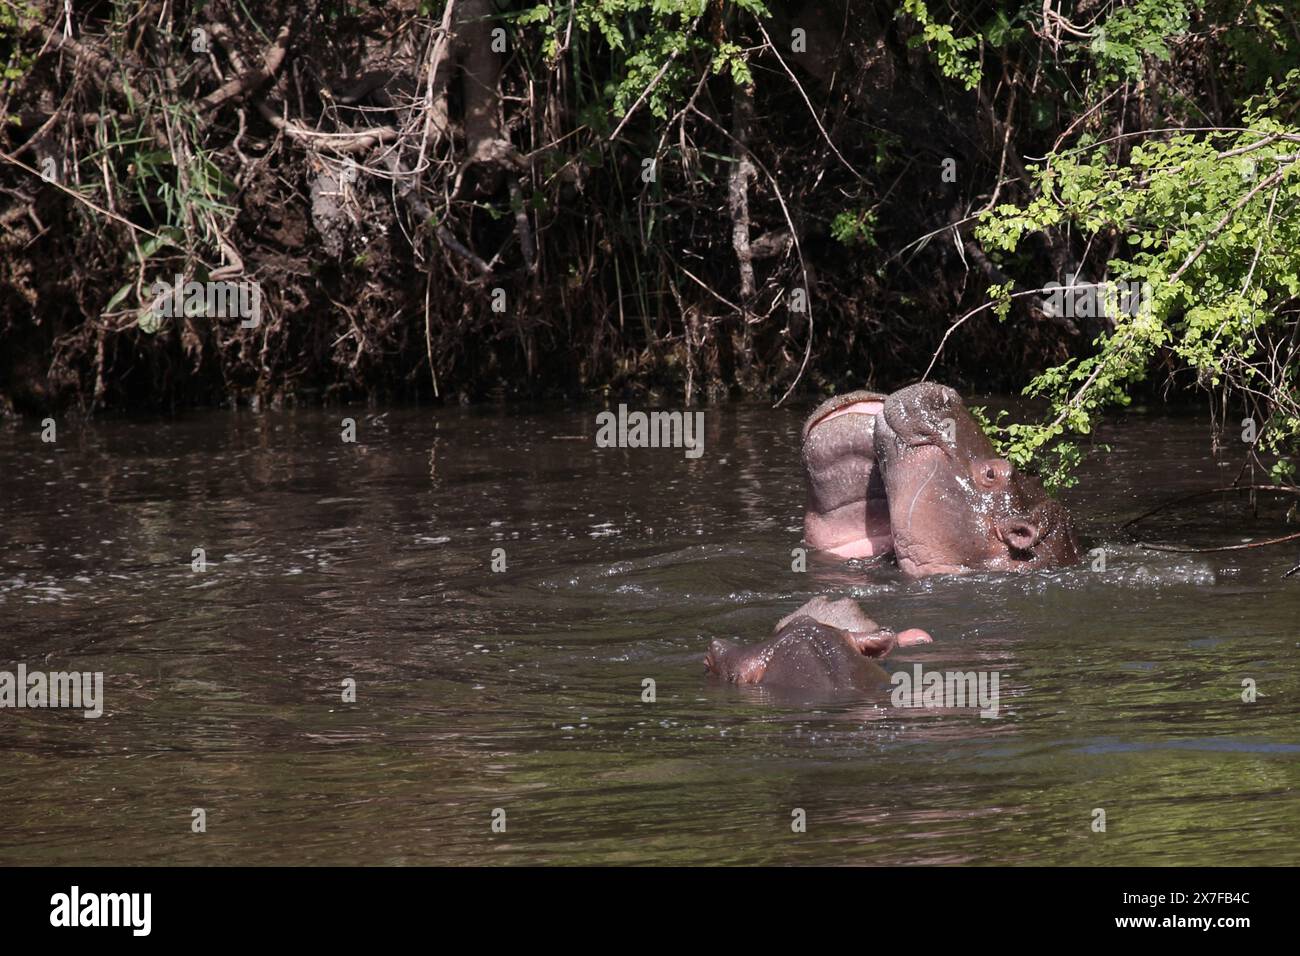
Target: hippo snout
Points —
{"points": [[1020, 532]]}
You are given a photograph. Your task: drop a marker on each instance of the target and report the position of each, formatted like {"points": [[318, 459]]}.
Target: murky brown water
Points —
{"points": [[522, 690]]}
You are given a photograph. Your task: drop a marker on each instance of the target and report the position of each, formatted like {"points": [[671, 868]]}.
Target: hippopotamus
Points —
{"points": [[825, 647], [847, 513], [913, 473]]}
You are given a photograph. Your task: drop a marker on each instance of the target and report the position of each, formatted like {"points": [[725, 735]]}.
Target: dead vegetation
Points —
{"points": [[437, 203]]}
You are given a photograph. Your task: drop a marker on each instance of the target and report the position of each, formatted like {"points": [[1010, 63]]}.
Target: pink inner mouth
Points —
{"points": [[868, 546], [870, 409]]}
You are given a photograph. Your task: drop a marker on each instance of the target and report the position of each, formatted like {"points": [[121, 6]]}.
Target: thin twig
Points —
{"points": [[798, 86], [984, 308], [78, 197], [1226, 547], [246, 82], [1281, 489], [1227, 218]]}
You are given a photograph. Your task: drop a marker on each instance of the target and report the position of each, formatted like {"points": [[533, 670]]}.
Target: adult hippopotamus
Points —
{"points": [[823, 648], [913, 472]]}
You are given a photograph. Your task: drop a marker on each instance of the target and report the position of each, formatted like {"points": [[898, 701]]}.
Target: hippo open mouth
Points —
{"points": [[914, 472], [847, 513]]}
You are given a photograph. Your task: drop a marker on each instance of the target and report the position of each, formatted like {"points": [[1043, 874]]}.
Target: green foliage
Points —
{"points": [[855, 227], [1129, 33], [14, 61], [1209, 220], [953, 53], [1055, 465], [645, 35], [1000, 295], [1212, 223]]}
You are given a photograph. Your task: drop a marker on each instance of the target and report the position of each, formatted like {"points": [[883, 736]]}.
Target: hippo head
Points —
{"points": [[954, 506]]}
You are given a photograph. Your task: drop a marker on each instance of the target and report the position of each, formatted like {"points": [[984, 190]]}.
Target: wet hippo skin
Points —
{"points": [[825, 647], [954, 506], [847, 513], [913, 472]]}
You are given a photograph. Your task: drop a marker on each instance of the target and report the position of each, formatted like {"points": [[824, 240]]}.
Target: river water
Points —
{"points": [[517, 695]]}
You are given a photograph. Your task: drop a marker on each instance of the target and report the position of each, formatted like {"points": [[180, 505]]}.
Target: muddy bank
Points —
{"points": [[468, 200]]}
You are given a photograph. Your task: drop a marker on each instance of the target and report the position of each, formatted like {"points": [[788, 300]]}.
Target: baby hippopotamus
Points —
{"points": [[825, 647]]}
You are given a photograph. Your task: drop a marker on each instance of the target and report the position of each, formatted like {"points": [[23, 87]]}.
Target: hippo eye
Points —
{"points": [[990, 474]]}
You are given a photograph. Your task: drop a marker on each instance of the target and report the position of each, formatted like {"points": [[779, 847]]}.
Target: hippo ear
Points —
{"points": [[717, 659]]}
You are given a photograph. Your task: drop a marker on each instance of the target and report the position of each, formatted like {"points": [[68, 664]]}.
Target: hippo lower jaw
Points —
{"points": [[862, 548], [917, 558], [826, 532], [919, 569], [847, 513]]}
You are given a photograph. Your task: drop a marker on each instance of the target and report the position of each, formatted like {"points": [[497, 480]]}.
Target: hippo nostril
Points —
{"points": [[1020, 533]]}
